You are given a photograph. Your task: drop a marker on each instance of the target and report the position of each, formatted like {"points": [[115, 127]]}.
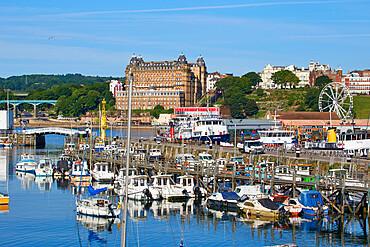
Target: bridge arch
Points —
{"points": [[35, 103]]}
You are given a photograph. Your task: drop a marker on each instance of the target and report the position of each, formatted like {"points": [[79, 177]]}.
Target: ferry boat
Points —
{"points": [[285, 138], [27, 164], [205, 128]]}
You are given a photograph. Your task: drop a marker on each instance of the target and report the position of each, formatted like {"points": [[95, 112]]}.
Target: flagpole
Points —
{"points": [[124, 230]]}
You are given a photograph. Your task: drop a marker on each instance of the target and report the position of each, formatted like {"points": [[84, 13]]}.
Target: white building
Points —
{"points": [[303, 73], [115, 86], [357, 83], [212, 78]]}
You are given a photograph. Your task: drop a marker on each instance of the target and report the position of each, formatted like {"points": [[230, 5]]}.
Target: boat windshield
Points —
{"points": [[254, 144]]}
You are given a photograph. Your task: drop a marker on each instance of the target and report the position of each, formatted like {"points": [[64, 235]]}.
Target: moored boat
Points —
{"points": [[102, 173], [27, 164], [261, 207], [4, 199], [45, 168], [79, 172], [223, 201]]}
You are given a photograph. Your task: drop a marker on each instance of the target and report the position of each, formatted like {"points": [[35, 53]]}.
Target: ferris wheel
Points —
{"points": [[335, 97]]}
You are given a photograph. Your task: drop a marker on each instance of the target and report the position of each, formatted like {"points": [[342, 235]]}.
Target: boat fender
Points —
{"points": [[249, 213]]}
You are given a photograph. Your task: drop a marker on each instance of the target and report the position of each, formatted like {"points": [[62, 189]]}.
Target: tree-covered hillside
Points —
{"points": [[34, 82]]}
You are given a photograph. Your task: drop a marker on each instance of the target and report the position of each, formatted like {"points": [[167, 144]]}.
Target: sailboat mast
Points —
{"points": [[124, 230]]}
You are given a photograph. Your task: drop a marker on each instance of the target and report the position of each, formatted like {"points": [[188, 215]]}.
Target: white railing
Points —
{"points": [[53, 130]]}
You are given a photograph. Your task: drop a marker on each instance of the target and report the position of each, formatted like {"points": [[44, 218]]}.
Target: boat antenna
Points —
{"points": [[124, 230]]}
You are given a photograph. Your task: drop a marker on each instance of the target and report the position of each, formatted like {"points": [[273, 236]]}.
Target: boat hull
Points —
{"points": [[4, 200], [212, 138], [222, 205]]}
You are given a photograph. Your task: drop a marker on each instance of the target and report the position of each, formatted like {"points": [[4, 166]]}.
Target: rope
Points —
{"points": [[173, 236]]}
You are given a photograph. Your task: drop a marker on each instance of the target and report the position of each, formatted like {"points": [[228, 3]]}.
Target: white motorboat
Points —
{"points": [[97, 207], [168, 188], [187, 182], [155, 154], [102, 173], [188, 160], [45, 168], [252, 191], [27, 164], [223, 201], [206, 159], [264, 207], [138, 189], [79, 172]]}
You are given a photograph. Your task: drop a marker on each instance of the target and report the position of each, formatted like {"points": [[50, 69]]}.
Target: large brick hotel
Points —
{"points": [[167, 83]]}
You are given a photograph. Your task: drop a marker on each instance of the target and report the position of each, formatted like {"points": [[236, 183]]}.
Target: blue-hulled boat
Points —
{"points": [[312, 203]]}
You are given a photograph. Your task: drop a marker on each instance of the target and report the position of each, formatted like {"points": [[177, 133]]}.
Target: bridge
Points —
{"points": [[53, 130], [36, 136], [35, 103]]}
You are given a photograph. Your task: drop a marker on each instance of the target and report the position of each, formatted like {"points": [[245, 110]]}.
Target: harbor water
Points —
{"points": [[42, 212]]}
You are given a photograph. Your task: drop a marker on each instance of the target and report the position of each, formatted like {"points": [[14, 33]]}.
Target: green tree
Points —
{"points": [[260, 92], [285, 77], [322, 81], [251, 107], [253, 77]]}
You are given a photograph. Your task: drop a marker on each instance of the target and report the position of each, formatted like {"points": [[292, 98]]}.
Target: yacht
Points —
{"points": [[102, 173], [27, 164], [263, 207], [45, 168], [169, 189], [97, 207]]}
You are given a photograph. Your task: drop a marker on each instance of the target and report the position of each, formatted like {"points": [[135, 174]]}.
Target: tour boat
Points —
{"points": [[102, 173], [79, 172], [168, 188], [27, 164], [204, 128], [4, 199], [187, 182], [45, 168], [355, 142], [223, 201], [97, 207], [264, 207], [282, 138]]}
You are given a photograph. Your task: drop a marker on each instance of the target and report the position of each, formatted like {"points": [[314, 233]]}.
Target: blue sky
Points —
{"points": [[98, 37]]}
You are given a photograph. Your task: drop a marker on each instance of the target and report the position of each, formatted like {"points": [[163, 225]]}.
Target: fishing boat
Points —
{"points": [[264, 207], [27, 164], [169, 190], [79, 172], [187, 182], [102, 173], [4, 199], [97, 207], [45, 168], [223, 201]]}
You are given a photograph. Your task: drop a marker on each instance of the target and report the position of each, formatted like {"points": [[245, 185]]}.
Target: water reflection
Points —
{"points": [[26, 179], [44, 183]]}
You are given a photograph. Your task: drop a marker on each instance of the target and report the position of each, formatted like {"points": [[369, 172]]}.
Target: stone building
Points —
{"points": [[167, 83]]}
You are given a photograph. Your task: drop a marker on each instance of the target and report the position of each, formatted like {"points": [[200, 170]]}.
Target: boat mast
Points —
{"points": [[124, 230]]}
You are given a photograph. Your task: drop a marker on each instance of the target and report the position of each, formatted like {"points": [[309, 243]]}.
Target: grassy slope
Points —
{"points": [[361, 106]]}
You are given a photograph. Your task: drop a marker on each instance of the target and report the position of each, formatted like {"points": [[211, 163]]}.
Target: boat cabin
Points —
{"points": [[337, 173], [163, 180]]}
